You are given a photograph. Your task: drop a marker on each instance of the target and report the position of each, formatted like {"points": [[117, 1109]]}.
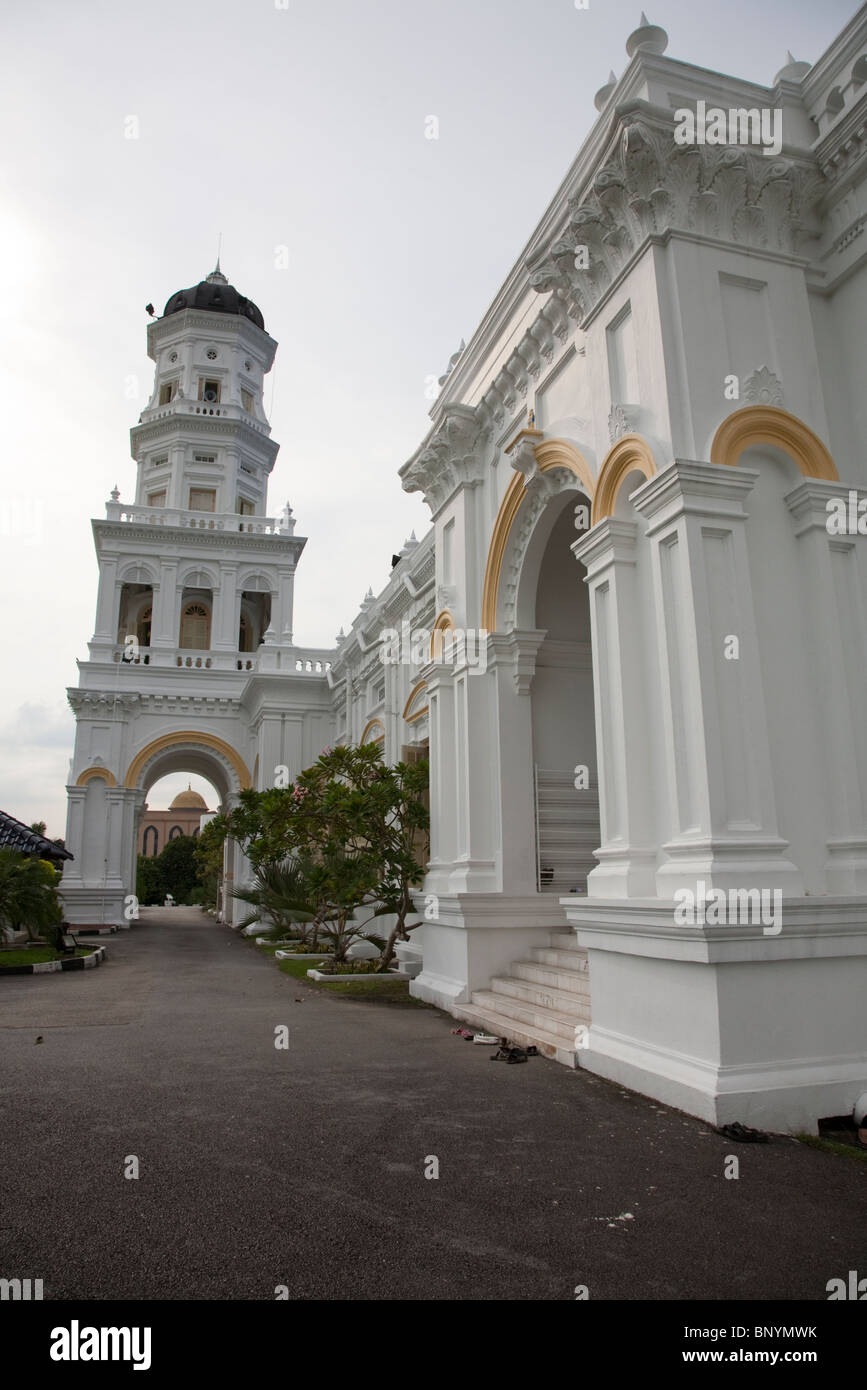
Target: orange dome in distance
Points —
{"points": [[188, 801]]}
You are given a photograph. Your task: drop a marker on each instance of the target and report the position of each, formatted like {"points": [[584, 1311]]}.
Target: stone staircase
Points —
{"points": [[541, 1001]]}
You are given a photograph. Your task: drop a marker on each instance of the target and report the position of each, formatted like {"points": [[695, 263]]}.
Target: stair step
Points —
{"points": [[501, 1026], [569, 981], [544, 997], [530, 1016], [567, 960], [567, 941]]}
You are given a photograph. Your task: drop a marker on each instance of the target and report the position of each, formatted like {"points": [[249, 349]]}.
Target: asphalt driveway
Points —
{"points": [[305, 1166]]}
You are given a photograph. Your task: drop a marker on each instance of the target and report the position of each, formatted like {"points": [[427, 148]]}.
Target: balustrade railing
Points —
{"points": [[304, 661], [196, 521]]}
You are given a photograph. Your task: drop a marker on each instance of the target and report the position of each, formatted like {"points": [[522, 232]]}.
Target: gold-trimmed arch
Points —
{"points": [[410, 718], [770, 424], [443, 622], [159, 745], [549, 453], [369, 726], [631, 454], [90, 773]]}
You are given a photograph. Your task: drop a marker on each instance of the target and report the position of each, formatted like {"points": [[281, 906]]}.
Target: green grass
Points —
{"points": [[831, 1146], [395, 993], [298, 968], [38, 955]]}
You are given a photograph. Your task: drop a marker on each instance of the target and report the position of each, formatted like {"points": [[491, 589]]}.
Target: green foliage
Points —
{"points": [[279, 895], [173, 871], [355, 827], [29, 899], [209, 847], [209, 862], [150, 889]]}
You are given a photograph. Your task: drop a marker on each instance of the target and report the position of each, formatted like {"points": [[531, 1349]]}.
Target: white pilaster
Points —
{"points": [[718, 768], [627, 856]]}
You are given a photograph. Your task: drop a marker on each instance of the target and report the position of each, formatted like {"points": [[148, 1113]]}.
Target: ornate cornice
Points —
{"points": [[280, 547], [651, 186], [450, 457], [99, 702]]}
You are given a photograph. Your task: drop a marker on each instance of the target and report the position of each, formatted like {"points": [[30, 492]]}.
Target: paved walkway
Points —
{"points": [[305, 1167]]}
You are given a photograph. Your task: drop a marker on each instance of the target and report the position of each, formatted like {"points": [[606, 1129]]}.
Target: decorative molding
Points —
{"points": [[622, 419], [209, 742], [630, 454], [763, 387], [410, 715], [549, 455], [651, 186], [443, 622], [450, 458], [94, 772], [767, 424], [368, 728]]}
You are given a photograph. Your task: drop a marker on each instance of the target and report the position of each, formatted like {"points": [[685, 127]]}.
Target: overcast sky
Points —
{"points": [[294, 123]]}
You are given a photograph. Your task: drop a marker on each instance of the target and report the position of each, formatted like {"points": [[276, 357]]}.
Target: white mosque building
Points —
{"points": [[648, 487]]}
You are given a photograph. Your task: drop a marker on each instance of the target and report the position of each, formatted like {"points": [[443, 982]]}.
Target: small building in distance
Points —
{"points": [[184, 817]]}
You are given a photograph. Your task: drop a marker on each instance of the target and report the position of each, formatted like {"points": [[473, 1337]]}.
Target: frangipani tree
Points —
{"points": [[355, 825]]}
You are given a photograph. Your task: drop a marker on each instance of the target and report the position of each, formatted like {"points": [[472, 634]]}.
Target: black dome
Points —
{"points": [[217, 296]]}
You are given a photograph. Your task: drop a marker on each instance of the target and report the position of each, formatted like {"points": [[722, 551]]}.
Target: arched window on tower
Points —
{"points": [[151, 842], [195, 628]]}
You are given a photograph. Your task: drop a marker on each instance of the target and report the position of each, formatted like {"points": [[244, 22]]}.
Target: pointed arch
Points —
{"points": [[631, 454], [770, 424], [549, 453]]}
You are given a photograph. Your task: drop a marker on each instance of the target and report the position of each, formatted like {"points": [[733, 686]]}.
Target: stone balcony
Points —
{"points": [[199, 521], [226, 410], [298, 661]]}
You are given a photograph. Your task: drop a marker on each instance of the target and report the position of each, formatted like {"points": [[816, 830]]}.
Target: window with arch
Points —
{"points": [[151, 842], [195, 627], [175, 832]]}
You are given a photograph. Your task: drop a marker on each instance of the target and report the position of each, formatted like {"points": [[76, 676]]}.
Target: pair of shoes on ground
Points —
{"points": [[742, 1134], [509, 1053]]}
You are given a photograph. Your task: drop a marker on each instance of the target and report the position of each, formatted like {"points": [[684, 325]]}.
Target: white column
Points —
{"points": [[512, 664], [107, 603], [166, 617], [627, 855], [443, 784], [714, 734], [834, 599], [74, 835], [475, 832], [226, 617], [281, 617]]}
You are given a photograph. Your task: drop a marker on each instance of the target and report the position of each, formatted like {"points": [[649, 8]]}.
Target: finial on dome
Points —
{"points": [[216, 276], [792, 70], [604, 93], [650, 38]]}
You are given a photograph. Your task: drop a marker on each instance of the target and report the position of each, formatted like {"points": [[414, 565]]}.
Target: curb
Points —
{"points": [[47, 967], [323, 978]]}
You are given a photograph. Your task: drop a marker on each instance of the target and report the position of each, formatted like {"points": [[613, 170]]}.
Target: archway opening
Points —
{"points": [[566, 796]]}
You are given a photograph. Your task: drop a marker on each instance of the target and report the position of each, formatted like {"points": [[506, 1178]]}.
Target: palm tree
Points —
{"points": [[28, 894], [278, 892]]}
